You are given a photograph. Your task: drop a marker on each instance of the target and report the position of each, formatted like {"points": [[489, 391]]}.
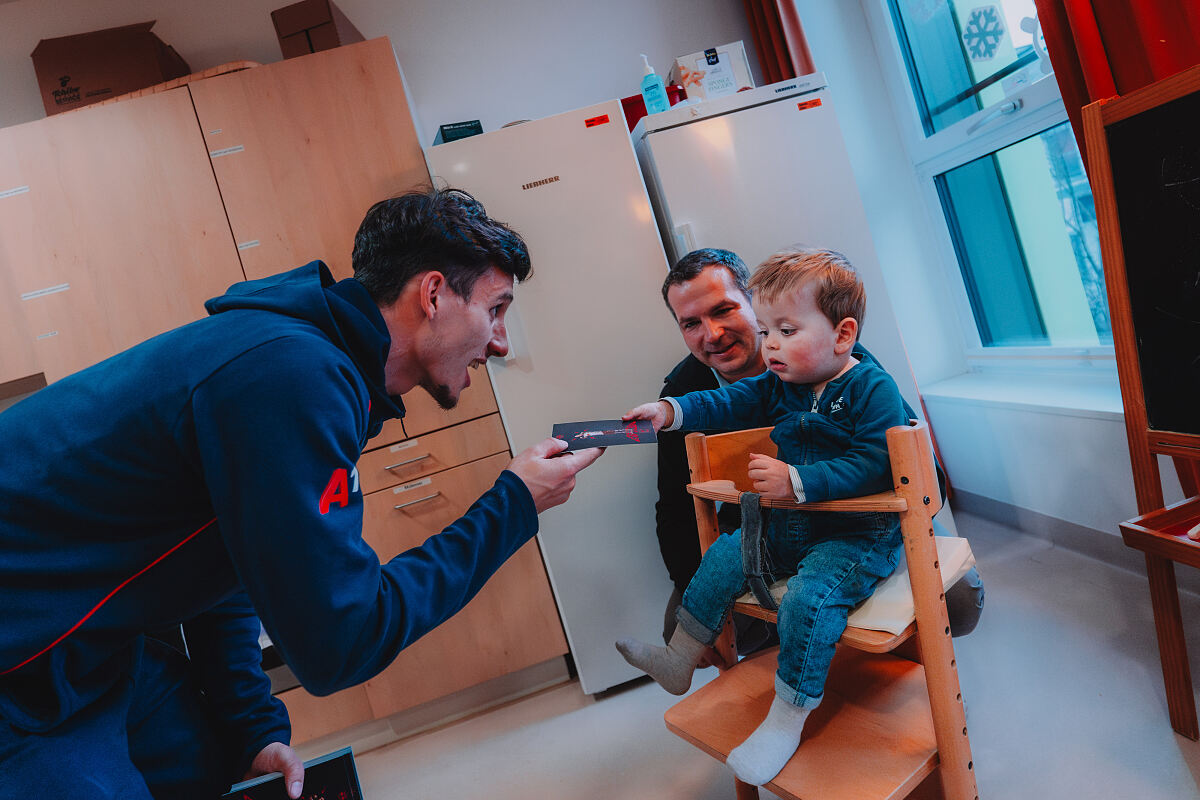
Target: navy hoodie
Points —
{"points": [[208, 474]]}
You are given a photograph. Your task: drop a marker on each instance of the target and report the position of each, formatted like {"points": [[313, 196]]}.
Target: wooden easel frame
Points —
{"points": [[1156, 533]]}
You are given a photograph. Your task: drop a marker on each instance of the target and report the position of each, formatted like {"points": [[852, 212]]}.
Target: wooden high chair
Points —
{"points": [[888, 727]]}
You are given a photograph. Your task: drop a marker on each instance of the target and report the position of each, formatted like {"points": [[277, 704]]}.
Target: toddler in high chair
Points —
{"points": [[830, 411]]}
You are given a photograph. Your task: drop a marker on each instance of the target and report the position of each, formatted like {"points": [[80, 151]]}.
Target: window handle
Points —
{"points": [[418, 500], [1002, 110]]}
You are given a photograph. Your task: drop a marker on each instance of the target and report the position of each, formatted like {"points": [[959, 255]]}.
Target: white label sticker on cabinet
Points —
{"points": [[408, 487], [396, 448], [14, 192], [249, 244], [62, 287], [47, 335], [226, 151]]}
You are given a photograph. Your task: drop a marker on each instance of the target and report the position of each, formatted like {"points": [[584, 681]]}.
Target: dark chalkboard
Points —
{"points": [[1155, 161]]}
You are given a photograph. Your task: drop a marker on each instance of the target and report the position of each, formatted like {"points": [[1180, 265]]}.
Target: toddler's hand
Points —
{"points": [[770, 477], [659, 414]]}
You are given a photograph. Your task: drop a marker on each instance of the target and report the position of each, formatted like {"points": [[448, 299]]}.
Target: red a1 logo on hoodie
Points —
{"points": [[338, 490]]}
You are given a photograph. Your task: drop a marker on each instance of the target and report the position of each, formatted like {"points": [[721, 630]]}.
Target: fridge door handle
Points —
{"points": [[685, 238]]}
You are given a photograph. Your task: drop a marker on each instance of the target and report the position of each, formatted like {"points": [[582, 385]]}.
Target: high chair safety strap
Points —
{"points": [[754, 557]]}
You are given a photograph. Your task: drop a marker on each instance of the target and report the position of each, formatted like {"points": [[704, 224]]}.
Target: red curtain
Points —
{"points": [[1102, 48], [779, 39]]}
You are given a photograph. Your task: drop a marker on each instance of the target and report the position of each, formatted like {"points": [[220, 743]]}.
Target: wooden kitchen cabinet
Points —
{"points": [[303, 147], [115, 231], [17, 359], [313, 717]]}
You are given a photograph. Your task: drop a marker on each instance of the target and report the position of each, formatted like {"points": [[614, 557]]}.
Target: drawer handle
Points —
{"points": [[409, 461], [414, 502]]}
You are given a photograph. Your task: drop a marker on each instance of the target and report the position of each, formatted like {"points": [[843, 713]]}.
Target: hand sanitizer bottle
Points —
{"points": [[653, 91]]}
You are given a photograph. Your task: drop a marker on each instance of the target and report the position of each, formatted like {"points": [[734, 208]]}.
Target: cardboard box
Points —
{"points": [[311, 26], [75, 71], [715, 72]]}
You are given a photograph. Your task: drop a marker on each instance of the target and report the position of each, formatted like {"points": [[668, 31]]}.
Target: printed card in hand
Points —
{"points": [[604, 433]]}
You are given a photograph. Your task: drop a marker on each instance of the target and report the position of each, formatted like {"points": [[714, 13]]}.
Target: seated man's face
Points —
{"points": [[717, 323]]}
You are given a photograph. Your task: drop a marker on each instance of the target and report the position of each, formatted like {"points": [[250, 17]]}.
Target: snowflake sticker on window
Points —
{"points": [[983, 33]]}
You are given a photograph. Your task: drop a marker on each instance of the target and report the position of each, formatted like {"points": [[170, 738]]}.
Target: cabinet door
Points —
{"points": [[313, 717], [120, 233], [510, 625], [17, 359], [302, 148]]}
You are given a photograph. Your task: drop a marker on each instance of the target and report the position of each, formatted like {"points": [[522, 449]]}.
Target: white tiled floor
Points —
{"points": [[1061, 679]]}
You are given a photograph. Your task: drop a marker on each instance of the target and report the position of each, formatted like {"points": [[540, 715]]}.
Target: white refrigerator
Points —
{"points": [[761, 170], [590, 338]]}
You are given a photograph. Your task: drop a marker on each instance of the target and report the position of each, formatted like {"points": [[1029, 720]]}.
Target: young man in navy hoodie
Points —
{"points": [[206, 477]]}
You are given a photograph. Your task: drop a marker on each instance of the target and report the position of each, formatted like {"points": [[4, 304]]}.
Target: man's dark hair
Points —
{"points": [[438, 229], [695, 262]]}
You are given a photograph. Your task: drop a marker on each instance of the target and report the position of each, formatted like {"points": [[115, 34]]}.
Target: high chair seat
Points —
{"points": [[890, 609]]}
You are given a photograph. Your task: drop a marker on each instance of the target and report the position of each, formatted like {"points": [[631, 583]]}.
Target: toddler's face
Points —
{"points": [[800, 344]]}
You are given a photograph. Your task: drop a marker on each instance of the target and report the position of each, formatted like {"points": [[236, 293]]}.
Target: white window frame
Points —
{"points": [[1031, 110]]}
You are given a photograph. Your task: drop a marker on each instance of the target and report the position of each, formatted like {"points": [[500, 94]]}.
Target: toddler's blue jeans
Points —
{"points": [[830, 575]]}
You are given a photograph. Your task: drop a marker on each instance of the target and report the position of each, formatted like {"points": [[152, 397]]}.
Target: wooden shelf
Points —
{"points": [[1164, 532], [725, 491]]}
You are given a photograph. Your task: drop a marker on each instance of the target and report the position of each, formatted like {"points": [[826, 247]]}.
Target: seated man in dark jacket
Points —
{"points": [[706, 292]]}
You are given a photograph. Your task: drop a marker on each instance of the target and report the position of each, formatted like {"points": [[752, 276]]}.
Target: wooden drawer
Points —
{"points": [[510, 625], [422, 414], [392, 431], [415, 458], [426, 505]]}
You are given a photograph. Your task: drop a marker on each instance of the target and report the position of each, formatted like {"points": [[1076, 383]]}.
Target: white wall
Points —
{"points": [[1064, 464], [495, 62]]}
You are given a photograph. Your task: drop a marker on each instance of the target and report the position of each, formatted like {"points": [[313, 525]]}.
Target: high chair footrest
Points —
{"points": [[870, 739]]}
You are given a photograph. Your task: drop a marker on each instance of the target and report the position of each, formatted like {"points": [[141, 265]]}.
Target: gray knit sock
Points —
{"points": [[672, 666], [766, 751]]}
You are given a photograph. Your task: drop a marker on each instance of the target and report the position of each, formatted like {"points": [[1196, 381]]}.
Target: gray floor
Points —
{"points": [[1061, 678]]}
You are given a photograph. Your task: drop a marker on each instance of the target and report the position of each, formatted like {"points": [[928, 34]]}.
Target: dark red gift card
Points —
{"points": [[604, 433]]}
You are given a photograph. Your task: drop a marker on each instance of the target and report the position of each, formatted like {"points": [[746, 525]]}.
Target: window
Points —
{"points": [[990, 140]]}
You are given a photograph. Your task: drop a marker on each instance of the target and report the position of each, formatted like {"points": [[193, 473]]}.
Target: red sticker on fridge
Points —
{"points": [[592, 122], [809, 104]]}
